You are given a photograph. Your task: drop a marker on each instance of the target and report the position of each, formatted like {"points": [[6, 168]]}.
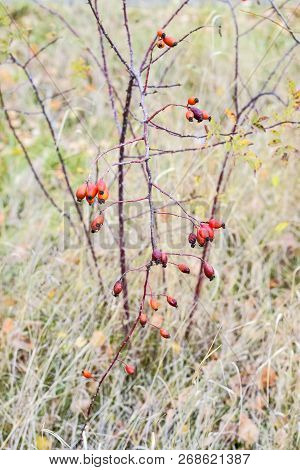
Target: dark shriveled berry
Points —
{"points": [[192, 239], [171, 301]]}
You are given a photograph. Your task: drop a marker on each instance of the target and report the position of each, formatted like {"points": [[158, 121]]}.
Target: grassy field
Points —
{"points": [[234, 381]]}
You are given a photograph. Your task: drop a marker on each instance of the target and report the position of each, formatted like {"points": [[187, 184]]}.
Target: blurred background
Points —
{"points": [[231, 379]]}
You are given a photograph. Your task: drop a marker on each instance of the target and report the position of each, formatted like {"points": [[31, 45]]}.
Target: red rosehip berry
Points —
{"points": [[143, 319], [192, 239], [208, 271], [209, 230], [101, 185], [200, 239], [203, 233], [117, 289], [156, 256], [164, 333], [81, 192], [184, 268], [164, 260], [189, 115], [97, 223], [213, 223], [130, 370], [211, 233], [171, 301]]}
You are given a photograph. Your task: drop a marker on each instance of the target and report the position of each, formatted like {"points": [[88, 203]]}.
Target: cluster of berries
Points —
{"points": [[155, 306], [90, 190], [159, 257], [163, 40], [205, 233], [195, 113]]}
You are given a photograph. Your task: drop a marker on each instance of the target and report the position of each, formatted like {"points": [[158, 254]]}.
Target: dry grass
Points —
{"points": [[54, 322]]}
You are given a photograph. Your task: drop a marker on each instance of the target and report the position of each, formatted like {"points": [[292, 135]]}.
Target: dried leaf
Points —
{"points": [[259, 403], [98, 339], [8, 325], [248, 431], [19, 341], [231, 115], [268, 378]]}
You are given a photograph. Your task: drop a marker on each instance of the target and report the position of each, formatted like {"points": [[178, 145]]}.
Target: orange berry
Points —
{"points": [[164, 334], [87, 374], [91, 191], [192, 100], [90, 201], [103, 197], [205, 115], [169, 41], [143, 319], [130, 370], [160, 33], [160, 44], [81, 192], [154, 304], [184, 268]]}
